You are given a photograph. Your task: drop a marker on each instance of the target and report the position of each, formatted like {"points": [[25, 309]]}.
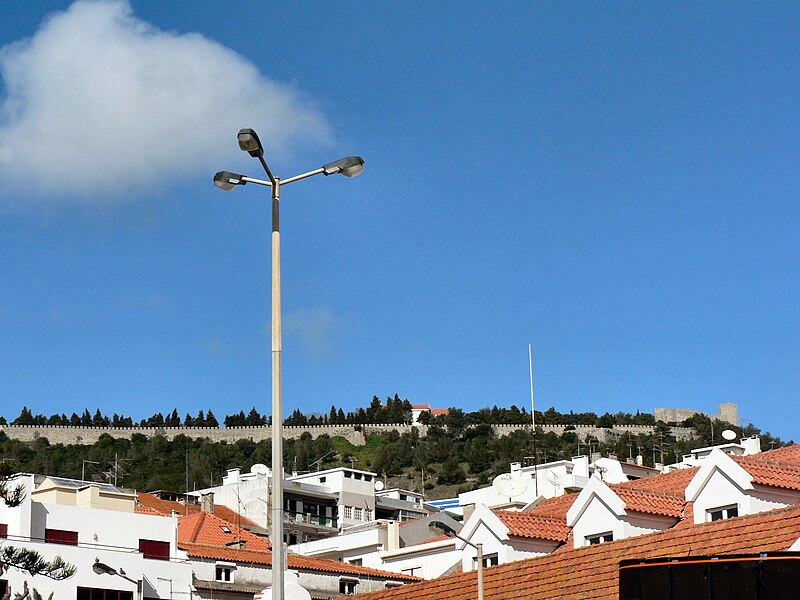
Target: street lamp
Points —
{"points": [[440, 528], [349, 166]]}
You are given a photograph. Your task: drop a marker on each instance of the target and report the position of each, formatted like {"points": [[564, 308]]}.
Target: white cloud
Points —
{"points": [[315, 328], [99, 103]]}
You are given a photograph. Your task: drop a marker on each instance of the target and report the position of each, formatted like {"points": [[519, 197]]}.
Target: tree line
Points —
{"points": [[392, 410]]}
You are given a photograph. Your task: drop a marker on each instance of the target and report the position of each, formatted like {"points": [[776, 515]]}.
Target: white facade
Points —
{"points": [[541, 481], [246, 493], [723, 484], [498, 547], [110, 537]]}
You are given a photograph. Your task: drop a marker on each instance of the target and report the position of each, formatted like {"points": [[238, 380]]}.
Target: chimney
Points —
{"points": [[232, 476], [468, 510], [393, 538], [207, 502], [639, 460], [752, 445]]}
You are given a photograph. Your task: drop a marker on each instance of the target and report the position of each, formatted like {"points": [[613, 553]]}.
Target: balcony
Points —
{"points": [[309, 519]]}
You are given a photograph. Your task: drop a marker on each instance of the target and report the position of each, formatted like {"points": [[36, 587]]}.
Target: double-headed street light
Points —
{"points": [[225, 180]]}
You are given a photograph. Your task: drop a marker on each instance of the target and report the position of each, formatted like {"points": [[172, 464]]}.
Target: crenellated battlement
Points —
{"points": [[355, 434]]}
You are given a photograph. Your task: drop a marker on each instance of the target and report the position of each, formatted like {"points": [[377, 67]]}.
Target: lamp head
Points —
{"points": [[439, 528], [102, 568], [350, 166], [225, 180], [249, 142]]}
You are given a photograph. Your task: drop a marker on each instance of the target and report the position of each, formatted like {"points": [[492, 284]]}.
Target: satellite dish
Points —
{"points": [[378, 485], [259, 469], [729, 434], [509, 485]]}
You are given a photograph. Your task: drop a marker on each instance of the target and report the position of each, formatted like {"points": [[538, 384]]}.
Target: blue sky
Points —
{"points": [[615, 183]]}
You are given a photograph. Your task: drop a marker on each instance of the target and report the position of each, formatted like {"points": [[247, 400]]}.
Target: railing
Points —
{"points": [[310, 519]]}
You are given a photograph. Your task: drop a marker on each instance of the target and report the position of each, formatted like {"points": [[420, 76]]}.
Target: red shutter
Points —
{"points": [[60, 536], [3, 531], [154, 549]]}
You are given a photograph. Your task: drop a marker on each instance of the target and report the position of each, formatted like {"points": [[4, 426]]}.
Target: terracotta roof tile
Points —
{"points": [[789, 455], [650, 502], [295, 561], [674, 482], [554, 508], [527, 525], [771, 474], [166, 507], [562, 575], [209, 530]]}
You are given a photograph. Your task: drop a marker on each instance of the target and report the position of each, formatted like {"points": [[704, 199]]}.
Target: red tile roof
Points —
{"points": [[593, 572], [772, 474], [554, 508], [295, 561], [674, 482], [166, 507], [209, 530], [650, 502], [789, 455], [527, 525]]}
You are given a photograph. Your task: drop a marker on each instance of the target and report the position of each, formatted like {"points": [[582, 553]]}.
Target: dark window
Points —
{"points": [[224, 574], [357, 561], [725, 512], [322, 479], [101, 594], [154, 549], [347, 586], [599, 539], [489, 560], [3, 533], [3, 587], [60, 536]]}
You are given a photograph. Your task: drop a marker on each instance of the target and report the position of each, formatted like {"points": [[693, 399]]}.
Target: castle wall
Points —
{"points": [[727, 411], [355, 434]]}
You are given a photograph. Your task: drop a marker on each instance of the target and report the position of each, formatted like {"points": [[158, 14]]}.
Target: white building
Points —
{"points": [[118, 553], [318, 504]]}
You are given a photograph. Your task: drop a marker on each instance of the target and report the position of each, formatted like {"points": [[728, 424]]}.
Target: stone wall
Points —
{"points": [[355, 434], [727, 411]]}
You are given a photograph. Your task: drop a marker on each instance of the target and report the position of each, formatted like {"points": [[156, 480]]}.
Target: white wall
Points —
{"points": [[117, 545]]}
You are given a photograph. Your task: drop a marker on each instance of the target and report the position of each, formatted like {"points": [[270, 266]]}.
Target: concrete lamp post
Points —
{"points": [[349, 166], [440, 528]]}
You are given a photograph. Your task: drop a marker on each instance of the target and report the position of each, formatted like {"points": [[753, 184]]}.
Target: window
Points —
{"points": [[368, 514], [348, 512], [101, 594], [414, 571], [367, 477], [357, 561], [225, 528], [3, 533], [489, 560], [3, 587], [724, 512], [60, 536], [357, 513], [322, 479], [224, 573], [154, 549], [600, 538], [347, 587], [348, 474], [358, 475]]}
